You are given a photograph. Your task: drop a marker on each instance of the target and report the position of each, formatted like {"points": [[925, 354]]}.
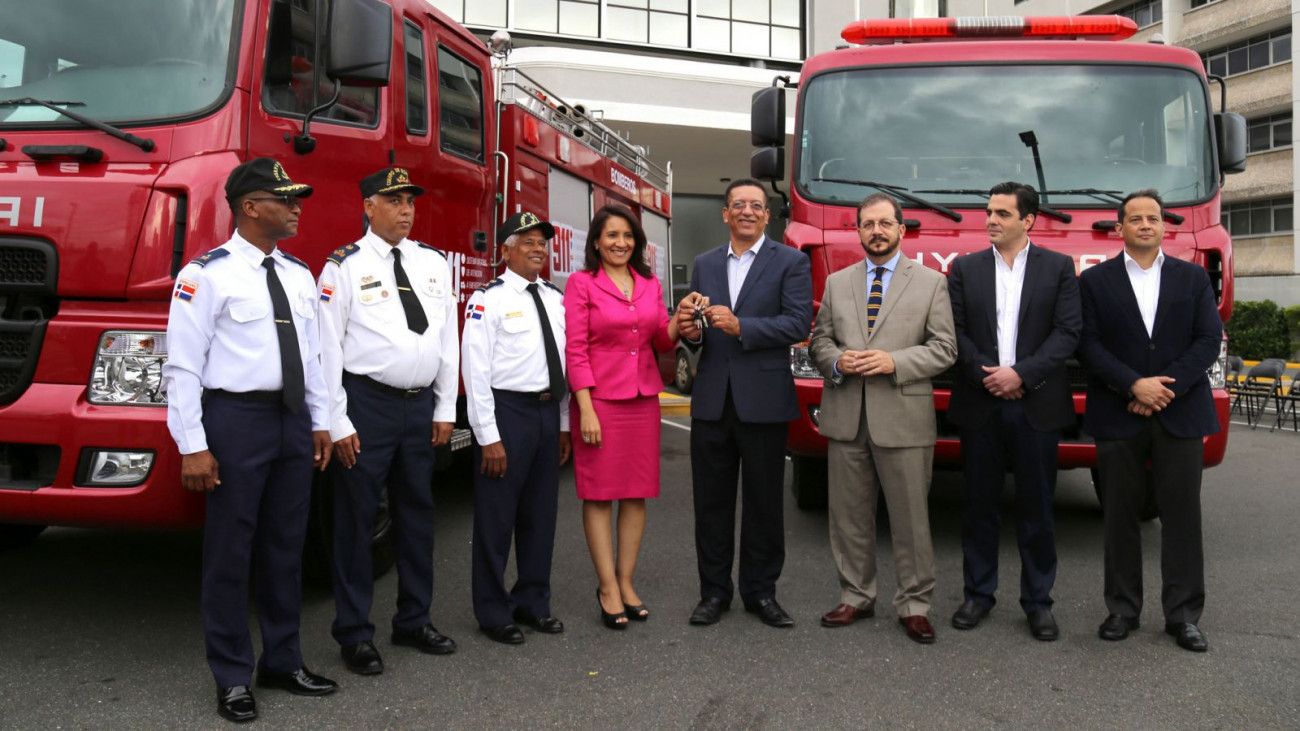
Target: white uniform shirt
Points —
{"points": [[1010, 282], [221, 334], [1146, 287], [502, 347], [363, 326]]}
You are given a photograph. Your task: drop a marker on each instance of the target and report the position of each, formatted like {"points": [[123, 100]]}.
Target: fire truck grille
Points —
{"points": [[23, 266], [29, 273]]}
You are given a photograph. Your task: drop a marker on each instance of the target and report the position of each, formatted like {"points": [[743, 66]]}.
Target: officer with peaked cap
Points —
{"points": [[389, 350], [248, 408], [513, 368]]}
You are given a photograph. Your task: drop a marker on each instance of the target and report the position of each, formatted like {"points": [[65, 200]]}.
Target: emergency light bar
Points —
{"points": [[1095, 27]]}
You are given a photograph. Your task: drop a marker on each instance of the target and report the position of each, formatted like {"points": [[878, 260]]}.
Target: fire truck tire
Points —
{"points": [[318, 553], [17, 535], [808, 482], [1150, 511], [683, 379]]}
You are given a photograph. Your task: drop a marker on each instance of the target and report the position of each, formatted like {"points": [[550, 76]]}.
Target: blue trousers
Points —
{"points": [[520, 504], [256, 523], [1007, 440], [396, 453]]}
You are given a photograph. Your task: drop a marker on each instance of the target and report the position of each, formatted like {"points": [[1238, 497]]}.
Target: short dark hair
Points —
{"points": [[875, 198], [1026, 196], [591, 257], [1151, 193], [743, 183]]}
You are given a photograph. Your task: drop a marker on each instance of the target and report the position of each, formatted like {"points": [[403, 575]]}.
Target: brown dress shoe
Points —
{"points": [[918, 629], [844, 615]]}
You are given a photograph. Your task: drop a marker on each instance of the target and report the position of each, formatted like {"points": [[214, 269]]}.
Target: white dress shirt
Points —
{"points": [[220, 334], [364, 331], [738, 267], [502, 348], [1146, 287], [1010, 282]]}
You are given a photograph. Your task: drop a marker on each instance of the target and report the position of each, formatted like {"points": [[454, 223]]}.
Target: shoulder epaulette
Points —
{"points": [[342, 253], [489, 284], [294, 259], [203, 259], [432, 248], [552, 286]]}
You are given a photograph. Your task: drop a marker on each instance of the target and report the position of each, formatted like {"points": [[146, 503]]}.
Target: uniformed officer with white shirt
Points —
{"points": [[248, 408], [389, 349], [513, 368]]}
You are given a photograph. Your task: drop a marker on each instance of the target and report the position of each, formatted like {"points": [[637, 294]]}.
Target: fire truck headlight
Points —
{"points": [[1218, 372], [111, 468], [801, 362], [128, 369]]}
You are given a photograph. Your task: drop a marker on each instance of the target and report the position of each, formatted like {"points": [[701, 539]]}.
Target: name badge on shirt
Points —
{"points": [[509, 315]]}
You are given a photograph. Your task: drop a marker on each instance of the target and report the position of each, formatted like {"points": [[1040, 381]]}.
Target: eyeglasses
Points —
{"points": [[887, 224], [740, 206], [289, 201]]}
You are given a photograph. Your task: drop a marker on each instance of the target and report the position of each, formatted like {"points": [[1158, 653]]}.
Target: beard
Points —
{"points": [[882, 245]]}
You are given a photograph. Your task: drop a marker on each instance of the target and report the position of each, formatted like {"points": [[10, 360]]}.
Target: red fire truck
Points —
{"points": [[119, 123], [938, 111]]}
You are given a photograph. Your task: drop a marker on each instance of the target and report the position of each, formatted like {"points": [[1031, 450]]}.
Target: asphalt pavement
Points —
{"points": [[101, 629]]}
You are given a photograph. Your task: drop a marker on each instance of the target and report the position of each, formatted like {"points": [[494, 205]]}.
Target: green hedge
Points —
{"points": [[1258, 330], [1292, 315]]}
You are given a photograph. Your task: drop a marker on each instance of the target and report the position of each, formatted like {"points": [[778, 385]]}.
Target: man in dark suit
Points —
{"points": [[1016, 308], [1150, 330], [759, 295]]}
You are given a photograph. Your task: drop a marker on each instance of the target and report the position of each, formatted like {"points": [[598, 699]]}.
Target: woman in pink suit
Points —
{"points": [[615, 321]]}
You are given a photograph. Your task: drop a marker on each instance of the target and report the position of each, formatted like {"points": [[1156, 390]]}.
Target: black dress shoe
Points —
{"points": [[549, 624], [236, 703], [770, 612], [507, 634], [362, 658], [425, 639], [300, 682], [708, 611], [1188, 636], [1116, 628], [1042, 625], [969, 614]]}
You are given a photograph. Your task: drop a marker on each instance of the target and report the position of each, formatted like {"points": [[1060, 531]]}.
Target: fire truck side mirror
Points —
{"points": [[360, 42], [767, 117], [767, 163], [1230, 136]]}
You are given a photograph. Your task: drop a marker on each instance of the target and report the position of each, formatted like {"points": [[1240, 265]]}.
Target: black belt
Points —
{"points": [[262, 397], [399, 392], [527, 395]]}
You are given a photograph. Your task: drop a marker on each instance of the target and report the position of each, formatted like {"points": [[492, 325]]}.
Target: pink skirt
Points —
{"points": [[627, 463]]}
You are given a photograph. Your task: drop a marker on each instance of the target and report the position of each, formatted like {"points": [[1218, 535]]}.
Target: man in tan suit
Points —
{"points": [[884, 329]]}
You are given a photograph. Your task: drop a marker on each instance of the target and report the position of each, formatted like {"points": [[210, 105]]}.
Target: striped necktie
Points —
{"points": [[875, 298]]}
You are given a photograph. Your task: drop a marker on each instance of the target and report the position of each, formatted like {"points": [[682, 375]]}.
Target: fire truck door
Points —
{"points": [[570, 209]]}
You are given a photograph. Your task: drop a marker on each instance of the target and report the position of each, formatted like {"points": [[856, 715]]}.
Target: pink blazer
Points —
{"points": [[611, 342]]}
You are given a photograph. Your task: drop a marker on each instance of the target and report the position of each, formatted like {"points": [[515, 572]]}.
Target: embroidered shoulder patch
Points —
{"points": [[489, 284], [474, 312], [294, 259], [205, 259], [432, 248], [185, 289], [326, 292], [342, 253]]}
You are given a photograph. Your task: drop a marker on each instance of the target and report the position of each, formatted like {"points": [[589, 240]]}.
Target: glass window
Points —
{"points": [[669, 30], [626, 24], [486, 12], [1282, 218], [581, 18], [1259, 137], [295, 75], [1282, 48], [1239, 222], [417, 87], [1255, 53], [1261, 219], [786, 42], [712, 35], [453, 8], [536, 15], [754, 11], [750, 39], [1238, 61], [1259, 55], [460, 106], [672, 6], [1282, 132], [713, 8], [786, 12]]}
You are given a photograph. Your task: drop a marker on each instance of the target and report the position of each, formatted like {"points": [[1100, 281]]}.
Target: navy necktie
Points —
{"points": [[875, 298], [290, 356]]}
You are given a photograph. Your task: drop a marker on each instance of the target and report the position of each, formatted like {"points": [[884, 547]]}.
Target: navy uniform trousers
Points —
{"points": [[256, 523], [522, 504], [1008, 440], [396, 451]]}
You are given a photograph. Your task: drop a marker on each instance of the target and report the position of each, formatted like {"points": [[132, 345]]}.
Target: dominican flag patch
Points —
{"points": [[326, 292], [185, 290], [474, 312]]}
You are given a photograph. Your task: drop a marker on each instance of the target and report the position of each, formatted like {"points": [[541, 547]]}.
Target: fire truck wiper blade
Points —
{"points": [[1048, 210], [143, 143], [899, 191], [1114, 195]]}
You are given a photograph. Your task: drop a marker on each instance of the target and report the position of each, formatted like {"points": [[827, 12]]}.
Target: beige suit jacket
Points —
{"points": [[914, 326]]}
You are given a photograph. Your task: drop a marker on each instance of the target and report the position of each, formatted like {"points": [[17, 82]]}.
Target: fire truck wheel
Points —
{"points": [[683, 379], [808, 482], [318, 552], [1150, 511], [17, 535]]}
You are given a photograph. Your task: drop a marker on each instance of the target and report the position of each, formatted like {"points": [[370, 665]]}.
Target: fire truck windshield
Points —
{"points": [[958, 129], [121, 62]]}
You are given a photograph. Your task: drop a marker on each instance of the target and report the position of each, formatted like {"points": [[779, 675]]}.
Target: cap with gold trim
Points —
{"points": [[388, 180], [263, 173], [521, 222]]}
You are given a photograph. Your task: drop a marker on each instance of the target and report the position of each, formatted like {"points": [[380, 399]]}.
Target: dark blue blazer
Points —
{"points": [[1117, 351], [775, 311], [1047, 335]]}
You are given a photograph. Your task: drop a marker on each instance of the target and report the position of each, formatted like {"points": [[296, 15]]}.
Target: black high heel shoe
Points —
{"points": [[611, 620], [636, 612]]}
